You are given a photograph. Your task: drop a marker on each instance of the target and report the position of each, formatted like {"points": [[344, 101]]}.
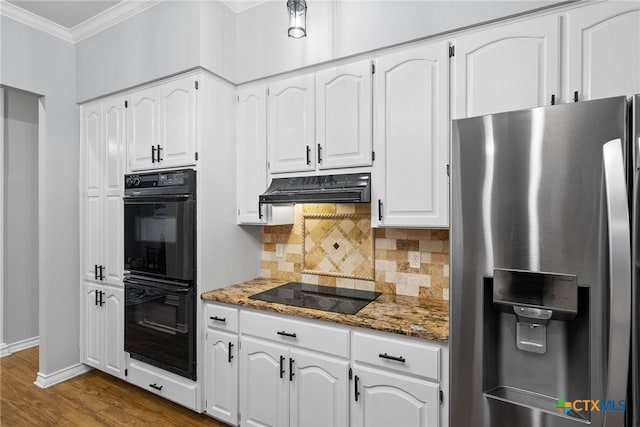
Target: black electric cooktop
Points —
{"points": [[337, 300]]}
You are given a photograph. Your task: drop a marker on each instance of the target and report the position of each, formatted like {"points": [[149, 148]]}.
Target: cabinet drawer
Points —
{"points": [[222, 317], [167, 385], [287, 331], [397, 354]]}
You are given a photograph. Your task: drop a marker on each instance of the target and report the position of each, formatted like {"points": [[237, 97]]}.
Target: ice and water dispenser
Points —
{"points": [[535, 343]]}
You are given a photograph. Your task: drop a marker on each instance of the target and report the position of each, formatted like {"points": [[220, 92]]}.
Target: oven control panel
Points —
{"points": [[170, 182]]}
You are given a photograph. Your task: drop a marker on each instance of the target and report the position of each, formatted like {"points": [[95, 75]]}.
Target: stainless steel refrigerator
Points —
{"points": [[543, 310]]}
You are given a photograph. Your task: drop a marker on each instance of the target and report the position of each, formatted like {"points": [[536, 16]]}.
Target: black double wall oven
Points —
{"points": [[160, 269]]}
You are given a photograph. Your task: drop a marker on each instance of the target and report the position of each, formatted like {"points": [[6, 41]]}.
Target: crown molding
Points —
{"points": [[25, 17], [239, 6], [110, 17], [100, 22]]}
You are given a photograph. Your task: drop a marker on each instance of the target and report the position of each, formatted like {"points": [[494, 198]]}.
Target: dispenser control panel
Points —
{"points": [[551, 291]]}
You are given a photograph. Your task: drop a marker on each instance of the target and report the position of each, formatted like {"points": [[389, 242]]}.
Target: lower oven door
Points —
{"points": [[159, 324]]}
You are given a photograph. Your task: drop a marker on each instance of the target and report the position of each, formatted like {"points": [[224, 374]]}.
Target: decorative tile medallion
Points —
{"points": [[339, 245]]}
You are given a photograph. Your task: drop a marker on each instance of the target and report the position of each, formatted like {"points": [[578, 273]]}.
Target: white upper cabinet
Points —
{"points": [[409, 181], [291, 125], [92, 140], [103, 139], [177, 123], [113, 175], [161, 125], [603, 50], [142, 128], [344, 116], [252, 152], [508, 67]]}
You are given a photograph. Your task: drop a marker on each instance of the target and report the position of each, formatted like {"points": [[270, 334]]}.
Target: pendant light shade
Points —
{"points": [[297, 18]]}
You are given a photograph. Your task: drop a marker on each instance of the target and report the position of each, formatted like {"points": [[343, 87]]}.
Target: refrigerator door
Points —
{"points": [[634, 142], [531, 196]]}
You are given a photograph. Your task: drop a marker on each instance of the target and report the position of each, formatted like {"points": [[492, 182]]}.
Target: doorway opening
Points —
{"points": [[19, 245]]}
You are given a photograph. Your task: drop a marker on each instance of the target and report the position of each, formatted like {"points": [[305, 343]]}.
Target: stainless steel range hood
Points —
{"points": [[347, 188]]}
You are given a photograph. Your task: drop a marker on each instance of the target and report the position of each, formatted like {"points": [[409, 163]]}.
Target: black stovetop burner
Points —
{"points": [[337, 300]]}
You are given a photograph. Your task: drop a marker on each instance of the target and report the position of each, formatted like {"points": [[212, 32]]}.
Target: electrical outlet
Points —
{"points": [[414, 259], [279, 250]]}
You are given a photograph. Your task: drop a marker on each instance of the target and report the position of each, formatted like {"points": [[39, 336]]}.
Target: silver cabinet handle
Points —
{"points": [[619, 277]]}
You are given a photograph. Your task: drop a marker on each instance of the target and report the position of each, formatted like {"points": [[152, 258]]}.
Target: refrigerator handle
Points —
{"points": [[619, 278]]}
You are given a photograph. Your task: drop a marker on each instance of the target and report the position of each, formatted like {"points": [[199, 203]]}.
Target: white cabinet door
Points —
{"points": [[385, 399], [344, 116], [113, 171], [410, 184], [93, 330], [509, 67], [319, 390], [142, 128], [104, 328], [264, 384], [252, 152], [222, 376], [103, 137], [161, 125], [112, 311], [92, 138], [291, 125], [603, 50], [177, 123]]}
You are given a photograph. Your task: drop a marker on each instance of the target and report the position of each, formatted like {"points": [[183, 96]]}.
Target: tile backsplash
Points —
{"points": [[393, 273]]}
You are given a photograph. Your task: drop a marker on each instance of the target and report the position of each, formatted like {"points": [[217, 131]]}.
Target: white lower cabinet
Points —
{"points": [[282, 386], [319, 390], [289, 371], [264, 384], [221, 395], [221, 362], [104, 328], [290, 380], [388, 399]]}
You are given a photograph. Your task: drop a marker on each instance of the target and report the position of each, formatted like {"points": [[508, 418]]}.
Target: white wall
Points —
{"points": [[230, 254], [264, 47], [158, 42], [175, 36], [21, 217], [218, 39], [36, 62], [337, 29]]}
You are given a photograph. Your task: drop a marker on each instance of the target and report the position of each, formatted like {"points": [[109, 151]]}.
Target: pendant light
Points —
{"points": [[297, 18]]}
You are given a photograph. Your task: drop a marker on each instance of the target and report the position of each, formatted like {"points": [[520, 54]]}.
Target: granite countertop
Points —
{"points": [[424, 318]]}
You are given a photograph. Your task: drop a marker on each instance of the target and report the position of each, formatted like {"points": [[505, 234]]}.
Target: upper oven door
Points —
{"points": [[159, 236]]}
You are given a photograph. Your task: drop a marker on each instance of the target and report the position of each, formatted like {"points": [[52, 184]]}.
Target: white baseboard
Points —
{"points": [[4, 349], [7, 349], [47, 380], [24, 344]]}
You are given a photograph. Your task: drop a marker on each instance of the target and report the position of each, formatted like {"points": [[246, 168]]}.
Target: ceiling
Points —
{"points": [[67, 13], [70, 13]]}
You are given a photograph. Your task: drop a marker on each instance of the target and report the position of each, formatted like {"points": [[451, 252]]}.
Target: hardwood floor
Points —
{"points": [[92, 399]]}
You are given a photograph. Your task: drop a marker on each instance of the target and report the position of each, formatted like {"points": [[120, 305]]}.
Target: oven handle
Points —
{"points": [[156, 198], [174, 289]]}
